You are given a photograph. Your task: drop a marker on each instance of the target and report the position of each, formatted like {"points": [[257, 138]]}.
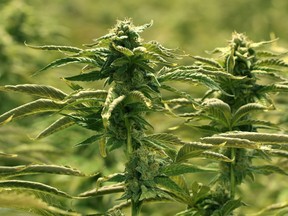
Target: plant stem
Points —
{"points": [[129, 137], [232, 174], [136, 207]]}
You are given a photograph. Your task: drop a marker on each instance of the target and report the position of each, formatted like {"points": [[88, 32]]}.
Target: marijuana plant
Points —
{"points": [[248, 75], [133, 70]]}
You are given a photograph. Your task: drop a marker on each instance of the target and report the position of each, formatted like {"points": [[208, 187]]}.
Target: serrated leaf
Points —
{"points": [[230, 206], [192, 149], [68, 60], [268, 169], [273, 207], [87, 77], [182, 168], [271, 62], [123, 50], [58, 125], [90, 140], [54, 47], [230, 142], [245, 110], [137, 96], [31, 108], [208, 61], [86, 94], [215, 156], [172, 188], [27, 202], [111, 189], [166, 138], [218, 110], [38, 90], [11, 171], [265, 138], [107, 111], [33, 186]]}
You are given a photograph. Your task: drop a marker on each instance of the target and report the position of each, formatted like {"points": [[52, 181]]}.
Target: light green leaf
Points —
{"points": [[54, 47], [68, 60], [218, 110], [59, 124], [31, 108], [208, 61], [90, 140], [123, 50], [271, 62], [215, 156], [192, 149], [11, 171], [38, 90], [111, 189], [264, 138], [230, 142], [27, 202], [32, 186], [268, 169], [172, 188], [166, 138], [245, 110], [137, 96], [86, 94], [109, 107], [182, 168]]}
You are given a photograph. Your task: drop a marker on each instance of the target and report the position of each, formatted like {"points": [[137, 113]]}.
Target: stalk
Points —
{"points": [[129, 138], [136, 207], [232, 174]]}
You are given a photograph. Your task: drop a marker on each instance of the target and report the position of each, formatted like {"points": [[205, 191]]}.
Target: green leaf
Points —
{"points": [[31, 108], [192, 149], [215, 156], [58, 48], [179, 169], [88, 77], [59, 124], [111, 189], [123, 50], [86, 94], [268, 169], [271, 62], [186, 75], [109, 106], [230, 206], [68, 60], [274, 207], [33, 186], [264, 138], [38, 90], [28, 202], [90, 140], [208, 61], [218, 110], [172, 188], [245, 110], [11, 171], [165, 138], [230, 142], [137, 96]]}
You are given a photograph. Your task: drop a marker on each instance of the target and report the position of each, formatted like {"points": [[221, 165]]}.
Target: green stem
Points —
{"points": [[136, 207], [232, 174], [129, 137]]}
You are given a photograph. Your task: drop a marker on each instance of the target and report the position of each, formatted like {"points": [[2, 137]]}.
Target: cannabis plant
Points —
{"points": [[248, 76], [133, 72]]}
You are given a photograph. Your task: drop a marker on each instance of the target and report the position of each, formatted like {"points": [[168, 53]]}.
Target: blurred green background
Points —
{"points": [[193, 26]]}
